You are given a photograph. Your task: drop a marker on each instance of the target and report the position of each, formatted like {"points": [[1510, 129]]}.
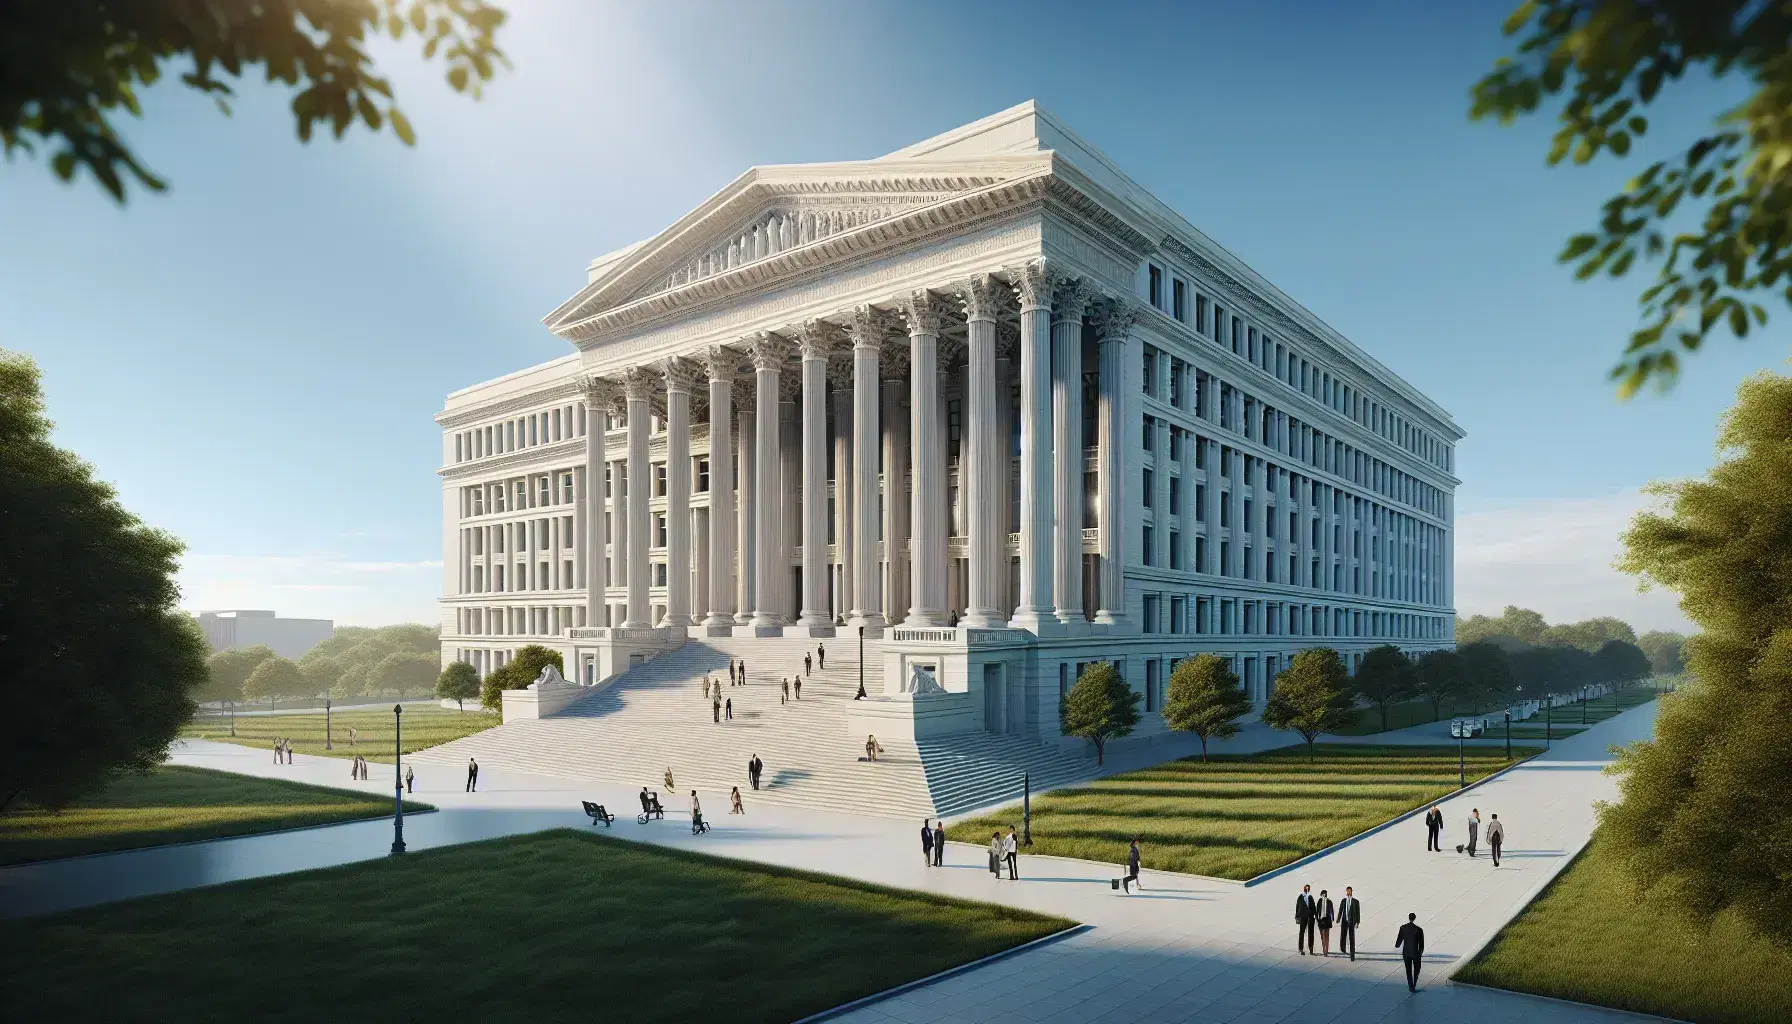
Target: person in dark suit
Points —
{"points": [[939, 845], [1305, 910], [1328, 912], [1350, 914], [926, 842], [1411, 944], [1132, 868], [1434, 829], [472, 775]]}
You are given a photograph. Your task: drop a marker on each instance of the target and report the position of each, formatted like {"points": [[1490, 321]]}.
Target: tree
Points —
{"points": [[1099, 707], [321, 673], [405, 675], [1206, 699], [518, 673], [459, 682], [1312, 696], [1384, 678], [1439, 678], [1619, 663], [1486, 673], [100, 666], [275, 678], [1705, 806], [1518, 623], [1612, 58], [72, 65], [1589, 634], [227, 671], [1663, 651]]}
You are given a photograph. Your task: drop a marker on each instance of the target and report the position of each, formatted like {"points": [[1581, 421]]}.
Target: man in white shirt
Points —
{"points": [[1496, 836], [1011, 853], [1474, 829]]}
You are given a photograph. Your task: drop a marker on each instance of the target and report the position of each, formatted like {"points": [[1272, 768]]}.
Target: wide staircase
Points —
{"points": [[655, 717]]}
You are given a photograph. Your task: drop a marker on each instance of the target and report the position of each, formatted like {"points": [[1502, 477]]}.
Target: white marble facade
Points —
{"points": [[986, 398]]}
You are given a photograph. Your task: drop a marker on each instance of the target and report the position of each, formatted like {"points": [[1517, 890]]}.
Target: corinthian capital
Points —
{"points": [[1114, 318], [1032, 283], [866, 326], [599, 393], [924, 312], [639, 383], [722, 362], [980, 298], [1073, 296], [815, 339], [682, 375], [769, 351]]}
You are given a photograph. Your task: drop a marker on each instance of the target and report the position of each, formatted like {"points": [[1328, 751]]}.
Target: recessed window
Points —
{"points": [[1179, 300]]}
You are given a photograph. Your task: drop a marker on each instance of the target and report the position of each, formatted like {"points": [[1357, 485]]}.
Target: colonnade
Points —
{"points": [[890, 478]]}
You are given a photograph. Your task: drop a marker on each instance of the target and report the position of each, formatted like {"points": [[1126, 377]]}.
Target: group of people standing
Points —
{"points": [[1318, 914], [282, 751], [1496, 833]]}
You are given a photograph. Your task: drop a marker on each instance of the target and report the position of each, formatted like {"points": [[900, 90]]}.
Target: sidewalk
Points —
{"points": [[1184, 949]]}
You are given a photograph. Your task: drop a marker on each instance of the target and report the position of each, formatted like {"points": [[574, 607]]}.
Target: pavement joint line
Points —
{"points": [[1637, 1015]]}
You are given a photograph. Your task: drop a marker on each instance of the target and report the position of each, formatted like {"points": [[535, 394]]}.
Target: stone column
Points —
{"points": [[1033, 608], [618, 501], [977, 475], [769, 354], [682, 378], [597, 394], [746, 506], [721, 364], [638, 385], [786, 504], [896, 455], [1001, 511], [1067, 454], [840, 378], [867, 338], [815, 342], [923, 314], [1112, 325]]}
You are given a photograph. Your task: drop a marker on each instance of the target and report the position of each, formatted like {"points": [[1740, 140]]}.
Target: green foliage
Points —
{"points": [[1205, 698], [1520, 624], [275, 678], [1386, 677], [227, 671], [1311, 696], [1611, 60], [1589, 634], [72, 65], [1663, 651], [347, 664], [1619, 662], [100, 666], [1099, 707], [405, 675], [459, 682], [1439, 677], [1706, 809], [1486, 673], [518, 673]]}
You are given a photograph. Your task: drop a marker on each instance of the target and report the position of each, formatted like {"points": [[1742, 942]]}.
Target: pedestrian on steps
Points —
{"points": [[669, 785], [808, 665], [799, 687], [735, 797], [718, 709], [743, 671], [784, 694], [728, 709], [821, 656]]}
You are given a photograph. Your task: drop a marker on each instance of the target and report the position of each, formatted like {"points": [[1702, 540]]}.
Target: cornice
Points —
{"points": [[519, 460], [557, 393]]}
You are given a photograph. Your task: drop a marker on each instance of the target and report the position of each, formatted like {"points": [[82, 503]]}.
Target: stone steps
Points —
{"points": [[655, 717]]}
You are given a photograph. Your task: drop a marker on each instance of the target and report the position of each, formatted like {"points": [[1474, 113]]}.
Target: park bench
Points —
{"points": [[656, 811], [597, 813]]}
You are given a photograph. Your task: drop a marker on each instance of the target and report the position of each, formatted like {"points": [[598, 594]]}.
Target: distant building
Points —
{"points": [[289, 638]]}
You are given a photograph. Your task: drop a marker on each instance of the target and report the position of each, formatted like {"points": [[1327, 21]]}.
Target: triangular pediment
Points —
{"points": [[775, 216]]}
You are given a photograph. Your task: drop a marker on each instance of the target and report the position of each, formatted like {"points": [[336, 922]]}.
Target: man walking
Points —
{"points": [[754, 767], [1011, 853], [1306, 909], [728, 709], [1496, 836], [926, 842], [784, 695], [472, 775], [1474, 828], [1132, 868], [821, 656], [939, 843], [410, 779], [1434, 829], [799, 687], [1411, 944], [808, 665], [1350, 914], [716, 709]]}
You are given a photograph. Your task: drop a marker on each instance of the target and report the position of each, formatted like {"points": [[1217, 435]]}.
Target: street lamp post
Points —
{"points": [[397, 781], [1549, 718], [1583, 705], [861, 659], [1508, 734], [327, 744], [1460, 728]]}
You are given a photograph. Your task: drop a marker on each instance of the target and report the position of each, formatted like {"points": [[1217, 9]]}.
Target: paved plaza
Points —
{"points": [[1187, 948]]}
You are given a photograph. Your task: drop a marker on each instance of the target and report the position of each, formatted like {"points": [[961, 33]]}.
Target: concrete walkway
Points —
{"points": [[1185, 949]]}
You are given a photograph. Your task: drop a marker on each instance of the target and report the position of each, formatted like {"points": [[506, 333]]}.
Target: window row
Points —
{"points": [[561, 423]]}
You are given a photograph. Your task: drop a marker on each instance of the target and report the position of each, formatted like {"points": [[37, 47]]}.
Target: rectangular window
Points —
{"points": [[1179, 300], [1175, 495], [1219, 323], [1200, 314], [1200, 554], [1156, 276], [1225, 554], [1148, 545], [1175, 550], [1150, 371], [1201, 502], [1177, 369], [566, 488], [1149, 489], [1149, 437], [702, 476], [659, 530], [1225, 510], [1176, 444]]}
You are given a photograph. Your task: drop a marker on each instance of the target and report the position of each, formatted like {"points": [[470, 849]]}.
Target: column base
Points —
{"points": [[979, 618], [1072, 624], [706, 630], [1107, 620], [718, 619], [635, 624], [676, 622], [810, 629], [1037, 621], [926, 619], [871, 622], [754, 630]]}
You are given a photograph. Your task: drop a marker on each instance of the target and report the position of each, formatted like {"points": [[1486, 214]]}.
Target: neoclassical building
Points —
{"points": [[984, 398]]}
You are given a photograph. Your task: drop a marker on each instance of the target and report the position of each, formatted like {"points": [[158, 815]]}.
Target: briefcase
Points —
{"points": [[1114, 884], [1460, 847]]}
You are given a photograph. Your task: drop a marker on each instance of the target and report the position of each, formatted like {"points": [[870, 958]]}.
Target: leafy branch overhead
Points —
{"points": [[72, 65], [1612, 58]]}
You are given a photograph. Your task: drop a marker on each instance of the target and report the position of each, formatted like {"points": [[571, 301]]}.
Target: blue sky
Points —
{"points": [[254, 357]]}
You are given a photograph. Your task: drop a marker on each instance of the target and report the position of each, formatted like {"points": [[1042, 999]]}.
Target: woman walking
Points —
{"points": [[734, 798], [669, 785], [1324, 922], [995, 853]]}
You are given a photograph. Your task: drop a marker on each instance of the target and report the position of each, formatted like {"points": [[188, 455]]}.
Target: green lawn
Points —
{"points": [[1418, 712], [423, 727], [1239, 816], [1593, 939], [175, 804], [555, 926]]}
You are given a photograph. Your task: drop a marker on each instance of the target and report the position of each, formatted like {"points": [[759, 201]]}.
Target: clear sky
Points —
{"points": [[254, 357]]}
